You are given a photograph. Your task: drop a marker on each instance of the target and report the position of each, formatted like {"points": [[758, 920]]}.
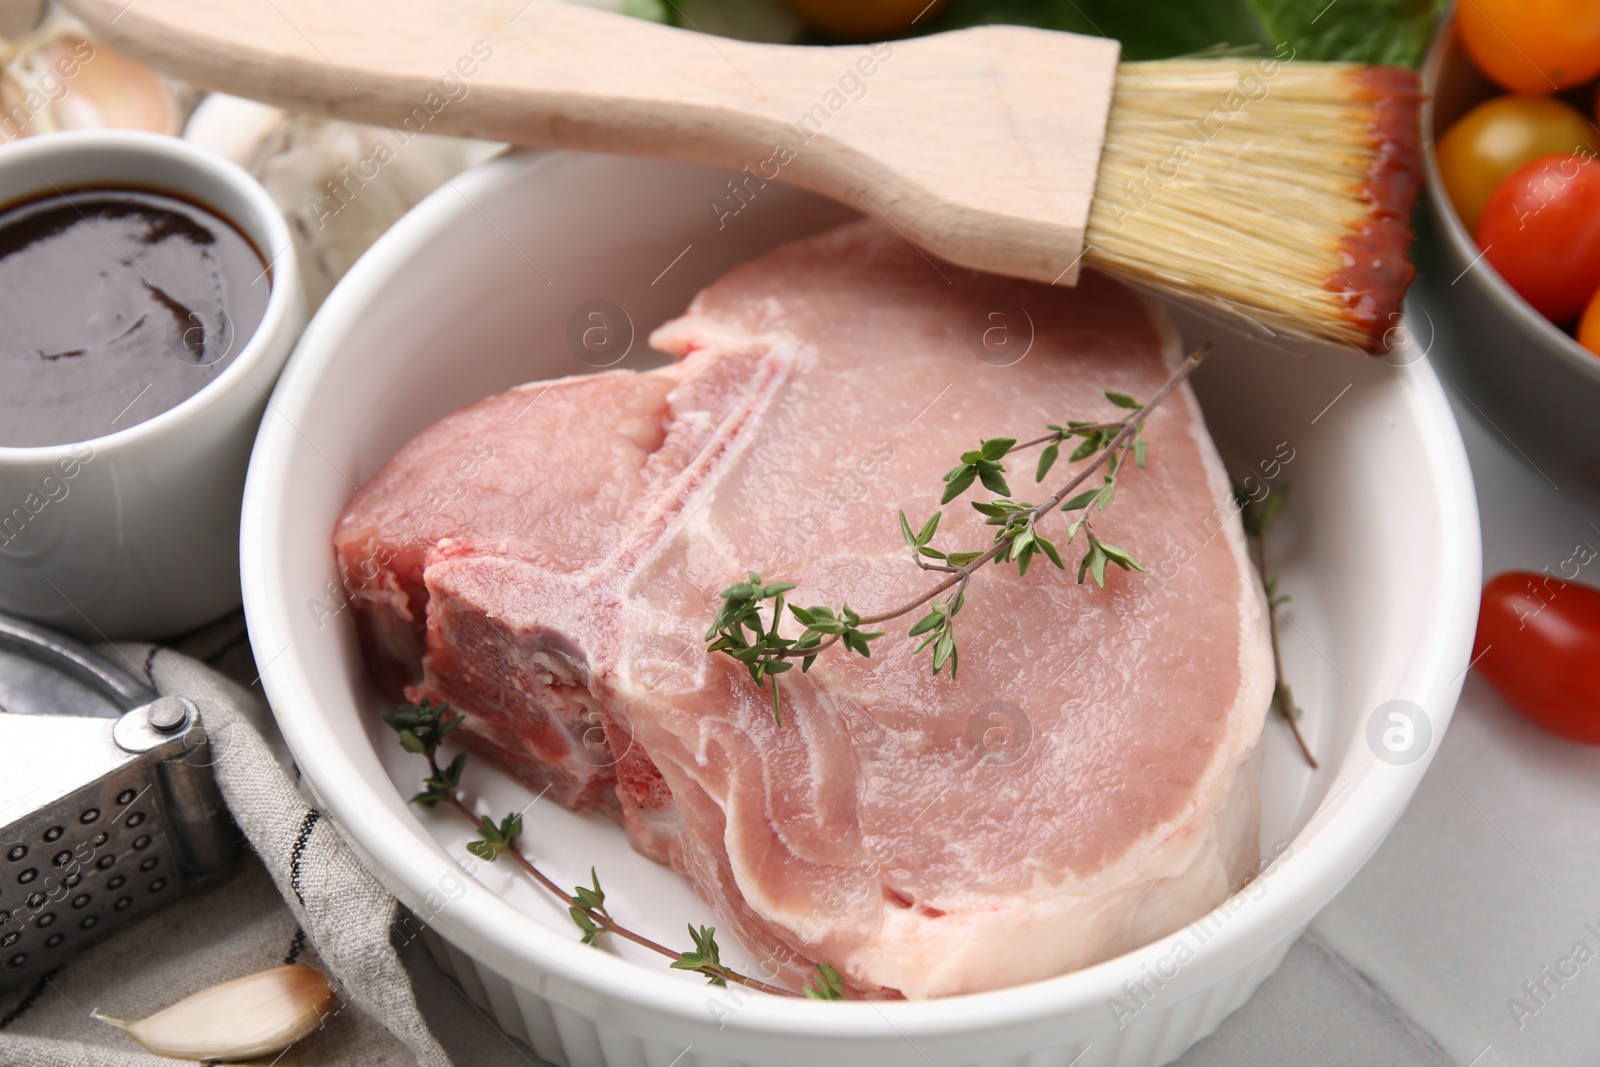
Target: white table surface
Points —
{"points": [[1489, 877]]}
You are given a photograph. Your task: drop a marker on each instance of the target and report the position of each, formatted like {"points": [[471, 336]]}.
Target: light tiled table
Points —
{"points": [[1488, 878]]}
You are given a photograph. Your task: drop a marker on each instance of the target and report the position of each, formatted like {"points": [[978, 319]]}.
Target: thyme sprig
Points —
{"points": [[738, 630], [742, 631], [423, 726], [1258, 517]]}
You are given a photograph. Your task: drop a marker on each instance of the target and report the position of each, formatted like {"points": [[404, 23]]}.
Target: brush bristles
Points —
{"points": [[1281, 192]]}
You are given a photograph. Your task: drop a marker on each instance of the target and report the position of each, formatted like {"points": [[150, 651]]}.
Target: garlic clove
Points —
{"points": [[56, 79], [111, 91], [256, 1015]]}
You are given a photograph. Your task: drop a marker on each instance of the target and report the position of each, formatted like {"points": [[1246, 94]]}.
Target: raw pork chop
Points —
{"points": [[548, 560]]}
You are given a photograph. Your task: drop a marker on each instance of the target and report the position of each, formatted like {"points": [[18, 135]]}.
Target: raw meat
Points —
{"points": [[548, 560]]}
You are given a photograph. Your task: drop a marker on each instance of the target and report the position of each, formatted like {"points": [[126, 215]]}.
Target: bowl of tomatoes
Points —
{"points": [[1508, 248]]}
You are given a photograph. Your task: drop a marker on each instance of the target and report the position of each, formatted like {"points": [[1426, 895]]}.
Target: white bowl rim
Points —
{"points": [[491, 930], [284, 272]]}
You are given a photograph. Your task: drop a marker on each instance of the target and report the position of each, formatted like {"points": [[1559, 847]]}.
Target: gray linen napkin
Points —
{"points": [[303, 896]]}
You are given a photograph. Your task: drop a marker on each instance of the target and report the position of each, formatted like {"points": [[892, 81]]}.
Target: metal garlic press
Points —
{"points": [[108, 805]]}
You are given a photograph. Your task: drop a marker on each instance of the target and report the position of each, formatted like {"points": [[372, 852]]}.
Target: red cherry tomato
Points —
{"points": [[1541, 231], [1538, 644], [1498, 136]]}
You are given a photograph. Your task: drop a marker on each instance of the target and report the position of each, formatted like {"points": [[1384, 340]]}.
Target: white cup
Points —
{"points": [[136, 534]]}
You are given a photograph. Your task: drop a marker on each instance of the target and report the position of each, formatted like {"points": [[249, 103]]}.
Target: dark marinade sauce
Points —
{"points": [[116, 305]]}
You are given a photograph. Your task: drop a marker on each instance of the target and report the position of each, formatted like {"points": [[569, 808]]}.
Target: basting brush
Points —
{"points": [[1275, 190]]}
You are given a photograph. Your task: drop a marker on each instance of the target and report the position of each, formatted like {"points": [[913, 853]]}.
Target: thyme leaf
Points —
{"points": [[495, 840], [588, 909], [441, 784], [421, 726], [705, 957], [825, 984]]}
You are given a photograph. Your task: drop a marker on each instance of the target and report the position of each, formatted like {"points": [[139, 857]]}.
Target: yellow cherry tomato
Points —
{"points": [[1589, 327], [862, 20], [1532, 46], [1497, 137]]}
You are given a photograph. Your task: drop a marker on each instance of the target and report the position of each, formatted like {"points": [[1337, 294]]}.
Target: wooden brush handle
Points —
{"points": [[980, 145]]}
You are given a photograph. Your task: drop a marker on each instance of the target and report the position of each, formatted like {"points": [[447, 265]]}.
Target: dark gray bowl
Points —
{"points": [[1527, 379]]}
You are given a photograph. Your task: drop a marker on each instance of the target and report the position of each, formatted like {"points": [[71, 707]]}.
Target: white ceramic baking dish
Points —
{"points": [[475, 290]]}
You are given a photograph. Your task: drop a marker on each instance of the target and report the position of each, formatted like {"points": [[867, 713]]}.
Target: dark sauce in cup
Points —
{"points": [[116, 305]]}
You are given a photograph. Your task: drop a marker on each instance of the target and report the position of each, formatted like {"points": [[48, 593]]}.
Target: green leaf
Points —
{"points": [[957, 482], [996, 447], [926, 623], [1121, 557], [1283, 702], [1020, 543], [1138, 452], [961, 559], [1386, 32], [905, 530], [592, 898], [705, 957], [1249, 514], [1362, 31], [421, 726], [1155, 29], [496, 840], [452, 773], [929, 528], [826, 984], [1123, 400], [857, 641], [1093, 562], [591, 932], [1051, 551], [1047, 459], [994, 481], [1106, 494], [1272, 509], [1089, 447], [1080, 501]]}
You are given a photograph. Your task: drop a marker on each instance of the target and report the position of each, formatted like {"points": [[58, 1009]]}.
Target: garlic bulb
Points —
{"points": [[340, 184], [256, 1015], [55, 78]]}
